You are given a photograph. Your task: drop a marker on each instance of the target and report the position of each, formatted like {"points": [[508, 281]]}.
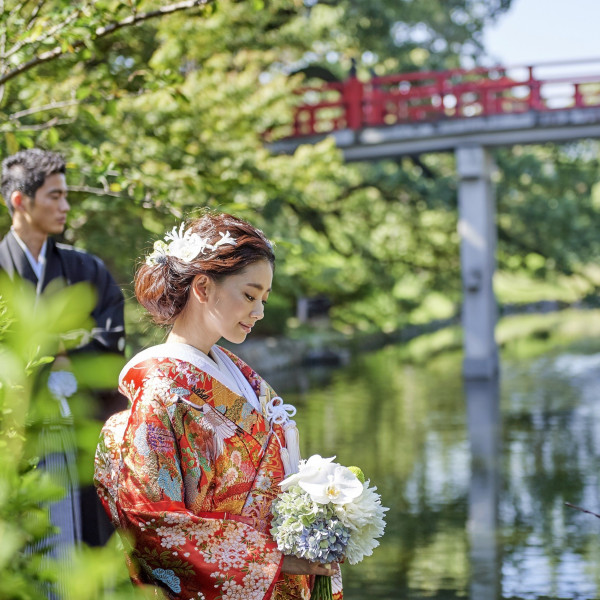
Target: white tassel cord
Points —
{"points": [[280, 413], [292, 442], [285, 459]]}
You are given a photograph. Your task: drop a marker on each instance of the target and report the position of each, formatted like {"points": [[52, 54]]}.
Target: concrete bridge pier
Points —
{"points": [[477, 230]]}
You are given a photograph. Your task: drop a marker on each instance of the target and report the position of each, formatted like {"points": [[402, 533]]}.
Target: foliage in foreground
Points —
{"points": [[31, 331]]}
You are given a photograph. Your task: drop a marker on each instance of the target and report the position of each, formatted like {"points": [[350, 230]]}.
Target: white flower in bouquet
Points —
{"points": [[327, 513], [365, 519], [325, 481], [307, 470], [308, 530]]}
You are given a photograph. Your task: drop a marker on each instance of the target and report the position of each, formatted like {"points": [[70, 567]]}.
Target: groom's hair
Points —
{"points": [[26, 172]]}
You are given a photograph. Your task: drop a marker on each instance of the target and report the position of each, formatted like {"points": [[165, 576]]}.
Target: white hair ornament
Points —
{"points": [[185, 245]]}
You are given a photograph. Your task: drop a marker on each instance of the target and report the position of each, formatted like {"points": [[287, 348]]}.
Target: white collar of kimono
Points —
{"points": [[36, 264], [222, 368]]}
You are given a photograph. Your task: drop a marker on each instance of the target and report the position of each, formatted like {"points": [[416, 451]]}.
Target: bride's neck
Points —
{"points": [[188, 331]]}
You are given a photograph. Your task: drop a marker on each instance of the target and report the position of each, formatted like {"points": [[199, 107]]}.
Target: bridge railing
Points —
{"points": [[434, 95]]}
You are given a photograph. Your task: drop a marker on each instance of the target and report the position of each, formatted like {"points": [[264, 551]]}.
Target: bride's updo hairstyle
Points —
{"points": [[227, 246]]}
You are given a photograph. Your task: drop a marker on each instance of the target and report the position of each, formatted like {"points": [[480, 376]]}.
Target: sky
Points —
{"points": [[535, 31]]}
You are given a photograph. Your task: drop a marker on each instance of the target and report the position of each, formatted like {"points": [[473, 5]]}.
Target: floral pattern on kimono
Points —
{"points": [[189, 472]]}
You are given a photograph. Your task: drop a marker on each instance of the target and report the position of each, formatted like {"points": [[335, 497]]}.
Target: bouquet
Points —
{"points": [[327, 513]]}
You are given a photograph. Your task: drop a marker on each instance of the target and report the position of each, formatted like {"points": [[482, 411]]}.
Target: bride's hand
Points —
{"points": [[301, 566]]}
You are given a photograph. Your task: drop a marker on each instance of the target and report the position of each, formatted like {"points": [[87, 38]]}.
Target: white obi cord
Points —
{"points": [[280, 413]]}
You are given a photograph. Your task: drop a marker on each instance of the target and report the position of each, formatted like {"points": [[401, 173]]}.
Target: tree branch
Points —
{"points": [[2, 47], [38, 109], [54, 122], [101, 32], [34, 13], [64, 104], [416, 159], [589, 512], [52, 31], [18, 8], [86, 189]]}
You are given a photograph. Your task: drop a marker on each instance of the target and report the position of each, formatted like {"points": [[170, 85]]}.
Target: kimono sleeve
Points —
{"points": [[206, 555], [76, 265], [108, 314]]}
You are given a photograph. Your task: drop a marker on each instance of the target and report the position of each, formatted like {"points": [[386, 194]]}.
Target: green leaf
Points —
{"points": [[53, 137], [12, 144]]}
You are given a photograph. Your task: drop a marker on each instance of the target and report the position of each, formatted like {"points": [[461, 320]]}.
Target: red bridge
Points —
{"points": [[529, 97]]}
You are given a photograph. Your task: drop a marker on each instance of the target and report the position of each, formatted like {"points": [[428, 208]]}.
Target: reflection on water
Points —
{"points": [[406, 426], [484, 426], [552, 439]]}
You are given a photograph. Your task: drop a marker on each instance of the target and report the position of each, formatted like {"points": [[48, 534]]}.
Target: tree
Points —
{"points": [[47, 31], [52, 69], [385, 36], [171, 119], [549, 212]]}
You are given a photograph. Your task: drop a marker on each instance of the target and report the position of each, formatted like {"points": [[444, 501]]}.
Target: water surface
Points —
{"points": [[494, 527]]}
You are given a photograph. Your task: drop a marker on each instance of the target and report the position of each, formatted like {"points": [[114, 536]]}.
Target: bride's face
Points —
{"points": [[234, 305]]}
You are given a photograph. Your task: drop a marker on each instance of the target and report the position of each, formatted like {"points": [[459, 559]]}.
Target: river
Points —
{"points": [[486, 524]]}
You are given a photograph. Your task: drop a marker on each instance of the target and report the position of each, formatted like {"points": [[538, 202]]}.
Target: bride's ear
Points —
{"points": [[201, 288]]}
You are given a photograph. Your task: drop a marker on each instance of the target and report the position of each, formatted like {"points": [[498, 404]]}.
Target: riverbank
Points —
{"points": [[420, 342]]}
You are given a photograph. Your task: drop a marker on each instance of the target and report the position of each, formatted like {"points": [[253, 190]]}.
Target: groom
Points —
{"points": [[35, 191]]}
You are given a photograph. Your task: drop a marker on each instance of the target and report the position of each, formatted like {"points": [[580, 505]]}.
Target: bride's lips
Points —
{"points": [[246, 328]]}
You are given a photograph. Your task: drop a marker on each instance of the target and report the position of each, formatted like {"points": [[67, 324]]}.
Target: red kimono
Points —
{"points": [[189, 473]]}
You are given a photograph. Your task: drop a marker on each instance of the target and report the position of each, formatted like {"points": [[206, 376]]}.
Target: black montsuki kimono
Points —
{"points": [[107, 336], [73, 266]]}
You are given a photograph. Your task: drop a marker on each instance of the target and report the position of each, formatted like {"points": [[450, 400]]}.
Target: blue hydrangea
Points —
{"points": [[306, 529], [324, 542], [168, 576]]}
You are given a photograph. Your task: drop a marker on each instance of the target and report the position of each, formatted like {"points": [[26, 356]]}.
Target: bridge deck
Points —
{"points": [[385, 141]]}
